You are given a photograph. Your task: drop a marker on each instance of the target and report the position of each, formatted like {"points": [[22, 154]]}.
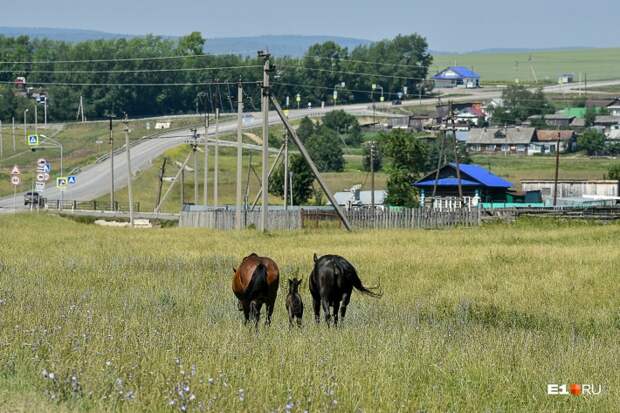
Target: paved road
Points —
{"points": [[94, 181]]}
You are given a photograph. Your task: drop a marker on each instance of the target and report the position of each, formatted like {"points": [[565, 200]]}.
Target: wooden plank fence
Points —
{"points": [[224, 219]]}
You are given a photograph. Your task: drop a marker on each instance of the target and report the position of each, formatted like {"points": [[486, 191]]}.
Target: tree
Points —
{"points": [[408, 155], [305, 129], [448, 153], [377, 158], [302, 180], [590, 116], [519, 104], [324, 147], [345, 125], [592, 141]]}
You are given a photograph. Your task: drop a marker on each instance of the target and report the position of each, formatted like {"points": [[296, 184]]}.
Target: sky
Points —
{"points": [[448, 25]]}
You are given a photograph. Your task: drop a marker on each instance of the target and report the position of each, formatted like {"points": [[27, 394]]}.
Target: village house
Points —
{"points": [[501, 140], [605, 103], [457, 76], [545, 142]]}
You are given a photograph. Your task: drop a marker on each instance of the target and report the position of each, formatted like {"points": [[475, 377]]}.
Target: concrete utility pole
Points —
{"points": [[128, 171], [557, 169], [45, 111], [216, 159], [111, 142], [265, 171], [372, 175], [162, 172], [25, 128], [239, 154], [205, 199], [13, 132], [81, 110], [1, 142], [194, 151], [285, 170], [36, 122]]}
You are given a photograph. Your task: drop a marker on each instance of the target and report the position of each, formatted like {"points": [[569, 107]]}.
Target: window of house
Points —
{"points": [[504, 148]]}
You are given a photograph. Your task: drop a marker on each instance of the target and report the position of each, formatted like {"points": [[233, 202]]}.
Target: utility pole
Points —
{"points": [[162, 172], [36, 122], [195, 155], [239, 154], [45, 111], [81, 110], [372, 175], [111, 142], [265, 171], [585, 85], [557, 168], [285, 170], [13, 131], [456, 155], [128, 171], [183, 186], [216, 159], [206, 171], [1, 142], [25, 127]]}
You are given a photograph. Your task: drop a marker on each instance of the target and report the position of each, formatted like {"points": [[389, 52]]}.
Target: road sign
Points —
{"points": [[41, 162], [61, 182], [15, 170], [33, 140], [40, 177], [15, 180], [39, 186], [98, 142], [72, 180]]}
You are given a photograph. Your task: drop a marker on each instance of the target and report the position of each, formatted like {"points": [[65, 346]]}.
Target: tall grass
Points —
{"points": [[101, 319]]}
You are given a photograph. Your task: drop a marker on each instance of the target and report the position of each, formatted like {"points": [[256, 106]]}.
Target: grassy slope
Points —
{"points": [[599, 64], [79, 147], [468, 326]]}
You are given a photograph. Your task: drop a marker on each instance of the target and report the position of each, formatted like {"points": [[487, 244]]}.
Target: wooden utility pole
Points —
{"points": [[456, 155], [216, 159], [183, 186], [239, 154], [557, 169], [174, 181], [1, 142], [129, 171], [111, 142], [162, 172], [311, 164], [265, 171]]}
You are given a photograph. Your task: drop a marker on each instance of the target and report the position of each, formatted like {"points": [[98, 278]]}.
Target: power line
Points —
{"points": [[352, 73], [190, 69], [127, 84], [125, 59]]}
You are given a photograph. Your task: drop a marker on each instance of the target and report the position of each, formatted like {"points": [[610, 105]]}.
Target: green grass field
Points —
{"points": [[104, 319], [599, 64]]}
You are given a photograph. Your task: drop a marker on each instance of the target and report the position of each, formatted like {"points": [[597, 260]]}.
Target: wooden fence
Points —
{"points": [[225, 219], [359, 218]]}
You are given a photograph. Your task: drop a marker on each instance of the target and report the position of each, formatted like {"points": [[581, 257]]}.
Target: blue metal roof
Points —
{"points": [[447, 182], [461, 71], [471, 175]]}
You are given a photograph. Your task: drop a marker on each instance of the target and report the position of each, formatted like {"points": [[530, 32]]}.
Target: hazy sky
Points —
{"points": [[448, 25]]}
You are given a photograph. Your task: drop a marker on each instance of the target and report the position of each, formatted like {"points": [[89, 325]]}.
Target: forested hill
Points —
{"points": [[148, 76], [278, 45]]}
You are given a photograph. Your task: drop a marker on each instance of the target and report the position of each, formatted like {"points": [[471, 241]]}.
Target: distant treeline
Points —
{"points": [[51, 67]]}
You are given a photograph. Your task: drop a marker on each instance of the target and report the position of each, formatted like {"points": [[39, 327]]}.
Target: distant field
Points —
{"points": [[599, 64]]}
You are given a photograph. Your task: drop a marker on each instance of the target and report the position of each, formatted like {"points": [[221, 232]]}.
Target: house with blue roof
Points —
{"points": [[457, 76], [475, 181]]}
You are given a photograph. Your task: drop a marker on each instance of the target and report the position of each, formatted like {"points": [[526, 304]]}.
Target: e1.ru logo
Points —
{"points": [[574, 389]]}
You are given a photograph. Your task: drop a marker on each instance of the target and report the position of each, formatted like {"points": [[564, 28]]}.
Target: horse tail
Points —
{"points": [[357, 283], [257, 283]]}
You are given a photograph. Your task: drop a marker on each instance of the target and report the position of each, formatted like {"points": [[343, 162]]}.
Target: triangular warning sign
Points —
{"points": [[15, 170]]}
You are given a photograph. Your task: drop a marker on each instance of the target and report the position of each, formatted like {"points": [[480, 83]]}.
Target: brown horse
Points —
{"points": [[255, 283]]}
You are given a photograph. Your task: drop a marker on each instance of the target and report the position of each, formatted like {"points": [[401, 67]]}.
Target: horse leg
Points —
{"points": [[336, 308], [269, 310], [259, 306], [246, 311], [299, 322], [325, 305], [345, 301], [316, 305]]}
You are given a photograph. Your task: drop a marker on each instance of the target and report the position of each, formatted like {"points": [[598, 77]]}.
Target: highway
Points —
{"points": [[94, 181]]}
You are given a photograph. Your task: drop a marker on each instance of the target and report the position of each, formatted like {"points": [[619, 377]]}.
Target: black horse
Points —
{"points": [[331, 282]]}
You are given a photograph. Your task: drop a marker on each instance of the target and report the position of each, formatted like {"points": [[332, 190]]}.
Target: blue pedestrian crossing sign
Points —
{"points": [[33, 140], [72, 179], [61, 182]]}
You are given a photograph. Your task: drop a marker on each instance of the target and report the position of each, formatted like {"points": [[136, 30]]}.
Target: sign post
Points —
{"points": [[15, 181]]}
